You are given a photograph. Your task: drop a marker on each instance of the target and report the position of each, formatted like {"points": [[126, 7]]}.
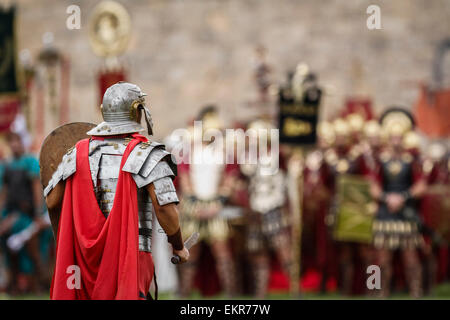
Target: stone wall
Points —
{"points": [[186, 53]]}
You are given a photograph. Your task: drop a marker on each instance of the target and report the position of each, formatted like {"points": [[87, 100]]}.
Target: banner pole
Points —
{"points": [[295, 191]]}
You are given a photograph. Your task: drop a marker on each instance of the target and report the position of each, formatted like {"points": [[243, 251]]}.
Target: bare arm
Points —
{"points": [[2, 197], [375, 190], [5, 224], [168, 218], [54, 202], [418, 189], [37, 194]]}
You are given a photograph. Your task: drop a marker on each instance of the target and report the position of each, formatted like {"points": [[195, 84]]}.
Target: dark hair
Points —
{"points": [[210, 108], [11, 136]]}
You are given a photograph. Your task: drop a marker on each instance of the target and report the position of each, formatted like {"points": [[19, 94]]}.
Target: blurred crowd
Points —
{"points": [[25, 234], [370, 191]]}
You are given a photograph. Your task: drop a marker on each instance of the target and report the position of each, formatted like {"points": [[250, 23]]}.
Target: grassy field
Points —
{"points": [[441, 292]]}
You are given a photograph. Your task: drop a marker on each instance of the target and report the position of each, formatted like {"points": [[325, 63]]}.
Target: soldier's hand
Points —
{"points": [[183, 254], [395, 202]]}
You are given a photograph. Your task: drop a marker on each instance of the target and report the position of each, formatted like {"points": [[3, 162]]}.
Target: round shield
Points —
{"points": [[56, 145]]}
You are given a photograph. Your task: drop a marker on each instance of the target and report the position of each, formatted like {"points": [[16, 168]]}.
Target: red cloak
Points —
{"points": [[104, 249]]}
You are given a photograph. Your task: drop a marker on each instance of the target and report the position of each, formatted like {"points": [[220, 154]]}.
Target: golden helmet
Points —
{"points": [[372, 129], [209, 116], [341, 127], [436, 151], [211, 122], [411, 140], [396, 122], [356, 122], [259, 127], [325, 131]]}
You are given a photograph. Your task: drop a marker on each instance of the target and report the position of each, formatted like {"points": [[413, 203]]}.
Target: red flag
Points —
{"points": [[432, 111], [8, 110]]}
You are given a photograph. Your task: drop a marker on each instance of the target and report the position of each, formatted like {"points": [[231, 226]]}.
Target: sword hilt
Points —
{"points": [[188, 245], [175, 259]]}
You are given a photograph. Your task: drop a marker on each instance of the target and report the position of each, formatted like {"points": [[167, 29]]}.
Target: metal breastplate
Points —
{"points": [[266, 191], [107, 173], [397, 175]]}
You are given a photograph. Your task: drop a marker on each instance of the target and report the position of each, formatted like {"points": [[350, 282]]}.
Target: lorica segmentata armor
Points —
{"points": [[147, 163]]}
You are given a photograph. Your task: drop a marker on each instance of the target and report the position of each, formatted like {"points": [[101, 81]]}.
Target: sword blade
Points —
{"points": [[189, 243]]}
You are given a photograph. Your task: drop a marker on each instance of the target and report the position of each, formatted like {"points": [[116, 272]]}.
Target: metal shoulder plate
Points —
{"points": [[149, 162], [66, 168]]}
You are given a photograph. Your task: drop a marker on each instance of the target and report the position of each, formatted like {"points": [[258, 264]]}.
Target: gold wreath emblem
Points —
{"points": [[109, 29]]}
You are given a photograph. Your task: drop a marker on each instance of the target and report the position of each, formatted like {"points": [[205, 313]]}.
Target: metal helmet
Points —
{"points": [[122, 107]]}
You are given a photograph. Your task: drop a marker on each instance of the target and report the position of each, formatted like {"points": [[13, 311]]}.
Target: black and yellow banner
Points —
{"points": [[8, 76], [9, 88], [298, 120]]}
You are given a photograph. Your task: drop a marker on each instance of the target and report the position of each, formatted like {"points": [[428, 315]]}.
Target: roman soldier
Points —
{"points": [[356, 123], [103, 199], [371, 145], [411, 143], [266, 224], [316, 243], [434, 210], [206, 184], [343, 159], [396, 186]]}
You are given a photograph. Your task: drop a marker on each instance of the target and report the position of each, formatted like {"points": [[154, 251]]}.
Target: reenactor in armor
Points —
{"points": [[372, 145], [411, 143], [434, 211], [396, 186], [356, 124], [316, 242], [206, 184], [266, 224], [102, 200], [325, 135], [236, 208], [343, 159]]}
